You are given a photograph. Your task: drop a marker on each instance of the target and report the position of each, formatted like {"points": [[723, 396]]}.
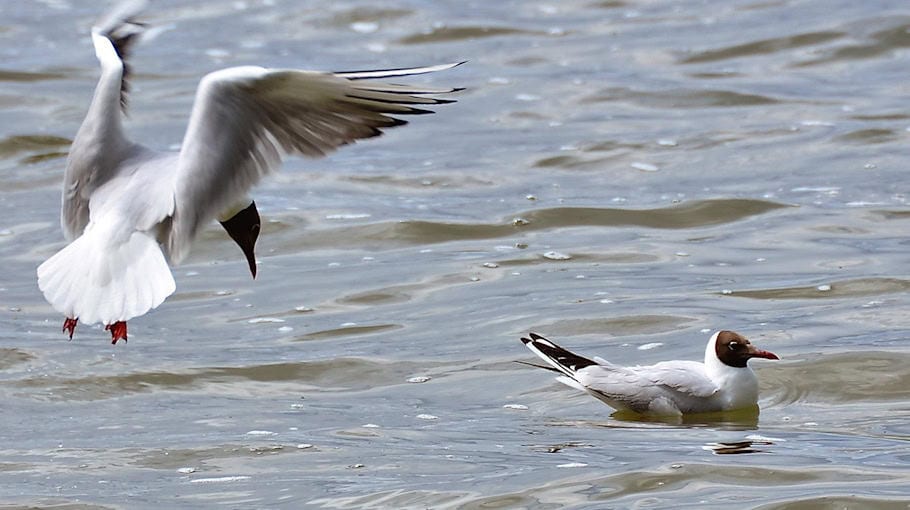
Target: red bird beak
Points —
{"points": [[758, 353]]}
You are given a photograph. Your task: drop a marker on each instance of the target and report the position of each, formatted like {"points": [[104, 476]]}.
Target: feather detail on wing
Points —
{"points": [[393, 73], [245, 118], [661, 388], [657, 388], [100, 144], [122, 29], [617, 386], [563, 360], [684, 376]]}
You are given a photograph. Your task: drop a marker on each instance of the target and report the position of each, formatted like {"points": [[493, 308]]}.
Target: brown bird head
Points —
{"points": [[735, 350]]}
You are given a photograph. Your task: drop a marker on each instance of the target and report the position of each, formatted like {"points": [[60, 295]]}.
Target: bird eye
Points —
{"points": [[733, 346]]}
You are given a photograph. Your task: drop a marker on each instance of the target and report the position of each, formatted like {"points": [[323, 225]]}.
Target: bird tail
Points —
{"points": [[564, 361], [94, 280]]}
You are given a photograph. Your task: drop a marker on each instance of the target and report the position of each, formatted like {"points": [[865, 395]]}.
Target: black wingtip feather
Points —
{"points": [[561, 356], [123, 44], [417, 71]]}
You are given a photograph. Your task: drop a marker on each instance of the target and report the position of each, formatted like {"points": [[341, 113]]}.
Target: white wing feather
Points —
{"points": [[245, 118], [687, 377]]}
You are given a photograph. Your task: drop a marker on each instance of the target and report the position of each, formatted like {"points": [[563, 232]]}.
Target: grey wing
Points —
{"points": [[100, 144], [637, 387], [619, 386], [121, 27], [687, 377], [245, 118]]}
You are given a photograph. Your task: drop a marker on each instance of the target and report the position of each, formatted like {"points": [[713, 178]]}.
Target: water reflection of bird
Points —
{"points": [[127, 209], [724, 382]]}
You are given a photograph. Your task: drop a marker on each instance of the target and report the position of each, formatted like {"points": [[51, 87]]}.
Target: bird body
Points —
{"points": [[724, 382], [128, 211]]}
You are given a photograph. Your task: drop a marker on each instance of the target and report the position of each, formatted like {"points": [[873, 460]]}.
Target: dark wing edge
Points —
{"points": [[563, 360], [400, 71], [245, 119], [123, 30]]}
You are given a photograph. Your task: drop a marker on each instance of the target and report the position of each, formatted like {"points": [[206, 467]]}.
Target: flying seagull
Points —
{"points": [[724, 382], [129, 210]]}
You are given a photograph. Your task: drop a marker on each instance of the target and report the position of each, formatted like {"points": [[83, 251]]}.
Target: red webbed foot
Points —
{"points": [[118, 331], [69, 326]]}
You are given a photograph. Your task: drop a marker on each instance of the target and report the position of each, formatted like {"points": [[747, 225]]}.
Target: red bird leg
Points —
{"points": [[69, 325], [118, 331]]}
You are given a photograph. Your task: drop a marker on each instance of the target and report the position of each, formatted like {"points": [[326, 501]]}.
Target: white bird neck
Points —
{"points": [[739, 384], [717, 369]]}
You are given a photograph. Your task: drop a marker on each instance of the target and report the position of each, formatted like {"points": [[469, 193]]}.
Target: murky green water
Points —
{"points": [[617, 175]]}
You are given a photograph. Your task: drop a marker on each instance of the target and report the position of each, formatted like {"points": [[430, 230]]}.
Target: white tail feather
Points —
{"points": [[572, 383], [95, 281]]}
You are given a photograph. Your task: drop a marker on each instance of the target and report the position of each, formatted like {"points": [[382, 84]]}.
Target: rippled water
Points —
{"points": [[623, 177]]}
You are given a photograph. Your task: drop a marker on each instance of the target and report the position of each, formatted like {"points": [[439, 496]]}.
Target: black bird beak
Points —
{"points": [[243, 228]]}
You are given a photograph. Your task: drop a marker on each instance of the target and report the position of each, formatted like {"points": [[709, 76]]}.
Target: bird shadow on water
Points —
{"points": [[740, 419], [726, 421]]}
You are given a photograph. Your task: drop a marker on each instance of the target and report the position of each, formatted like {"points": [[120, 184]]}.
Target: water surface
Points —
{"points": [[622, 177]]}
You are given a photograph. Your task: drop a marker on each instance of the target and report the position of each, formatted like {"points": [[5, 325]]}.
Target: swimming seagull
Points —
{"points": [[128, 210], [724, 382]]}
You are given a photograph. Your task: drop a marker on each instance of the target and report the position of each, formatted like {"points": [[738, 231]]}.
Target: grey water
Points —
{"points": [[624, 177]]}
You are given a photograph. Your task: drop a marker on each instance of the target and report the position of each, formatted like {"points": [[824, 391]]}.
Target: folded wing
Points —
{"points": [[664, 387], [687, 377]]}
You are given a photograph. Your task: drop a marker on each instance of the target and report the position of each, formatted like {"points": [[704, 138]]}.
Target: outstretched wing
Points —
{"points": [[245, 118], [121, 27], [100, 143]]}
